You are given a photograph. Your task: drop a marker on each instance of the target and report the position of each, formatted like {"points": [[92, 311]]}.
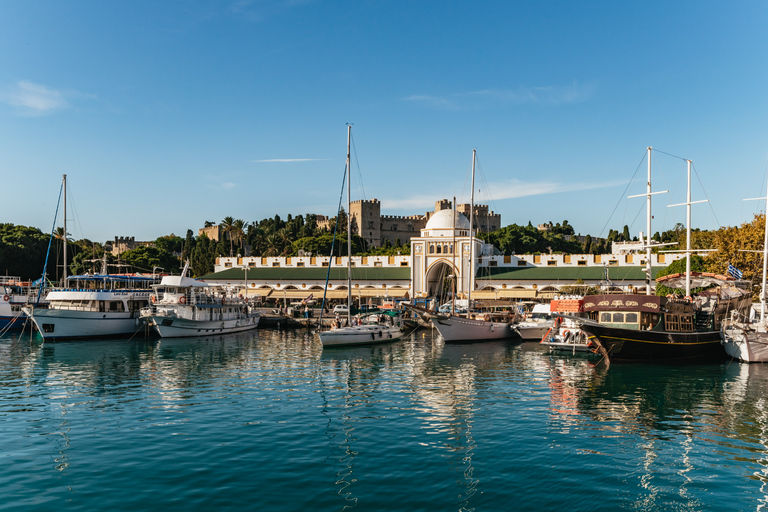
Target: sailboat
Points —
{"points": [[472, 326], [379, 328], [744, 341], [636, 327]]}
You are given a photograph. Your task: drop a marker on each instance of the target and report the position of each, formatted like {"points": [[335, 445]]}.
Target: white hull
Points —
{"points": [[169, 327], [360, 335], [456, 328], [62, 323], [746, 346], [533, 332]]}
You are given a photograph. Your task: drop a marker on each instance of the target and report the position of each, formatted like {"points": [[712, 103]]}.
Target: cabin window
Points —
{"points": [[630, 318], [686, 323], [618, 318], [116, 306], [672, 322], [605, 318]]}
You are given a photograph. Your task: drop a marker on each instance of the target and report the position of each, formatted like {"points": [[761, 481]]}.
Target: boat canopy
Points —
{"points": [[183, 282], [698, 280]]}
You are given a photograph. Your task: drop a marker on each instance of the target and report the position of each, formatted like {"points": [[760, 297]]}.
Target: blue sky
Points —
{"points": [[167, 114]]}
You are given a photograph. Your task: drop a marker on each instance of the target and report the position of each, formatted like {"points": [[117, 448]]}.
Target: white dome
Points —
{"points": [[444, 220]]}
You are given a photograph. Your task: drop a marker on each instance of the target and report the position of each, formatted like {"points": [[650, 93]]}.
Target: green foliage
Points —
{"points": [[515, 239], [170, 243], [145, 259], [22, 251]]}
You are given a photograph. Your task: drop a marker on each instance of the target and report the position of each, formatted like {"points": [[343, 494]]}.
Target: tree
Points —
{"points": [[145, 259], [227, 226]]}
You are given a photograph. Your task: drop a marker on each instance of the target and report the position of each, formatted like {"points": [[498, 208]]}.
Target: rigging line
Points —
{"points": [[698, 178], [669, 154], [623, 195], [48, 252], [361, 188], [76, 216], [484, 182], [333, 243]]}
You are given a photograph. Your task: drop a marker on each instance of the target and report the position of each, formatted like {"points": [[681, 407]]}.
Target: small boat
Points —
{"points": [[93, 306], [742, 339], [182, 306], [566, 335], [365, 333], [536, 324]]}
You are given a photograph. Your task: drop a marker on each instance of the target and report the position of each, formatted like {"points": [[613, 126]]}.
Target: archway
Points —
{"points": [[438, 281]]}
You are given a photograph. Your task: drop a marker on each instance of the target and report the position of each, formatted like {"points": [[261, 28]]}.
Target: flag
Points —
{"points": [[733, 271]]}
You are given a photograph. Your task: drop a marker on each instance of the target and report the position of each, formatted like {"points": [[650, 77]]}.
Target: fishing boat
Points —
{"points": [[472, 325], [182, 306], [390, 328], [93, 306], [675, 328], [742, 339]]}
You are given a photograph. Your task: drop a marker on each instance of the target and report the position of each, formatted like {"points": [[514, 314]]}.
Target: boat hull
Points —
{"points": [[66, 324], [169, 327], [360, 335], [628, 345], [745, 346], [533, 332], [456, 328]]}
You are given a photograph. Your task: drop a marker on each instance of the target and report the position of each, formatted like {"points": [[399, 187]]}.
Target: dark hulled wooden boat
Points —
{"points": [[634, 327]]}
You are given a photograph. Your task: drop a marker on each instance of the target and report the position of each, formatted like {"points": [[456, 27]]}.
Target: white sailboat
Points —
{"points": [[745, 341], [472, 326], [387, 327]]}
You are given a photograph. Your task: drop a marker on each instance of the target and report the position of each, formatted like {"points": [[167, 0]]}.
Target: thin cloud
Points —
{"points": [[34, 99], [285, 160], [487, 98], [513, 189]]}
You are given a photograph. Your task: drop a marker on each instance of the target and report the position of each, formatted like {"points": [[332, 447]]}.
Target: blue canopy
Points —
{"points": [[111, 277]]}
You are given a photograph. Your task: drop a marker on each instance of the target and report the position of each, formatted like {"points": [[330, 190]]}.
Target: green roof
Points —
{"points": [[313, 274], [569, 273]]}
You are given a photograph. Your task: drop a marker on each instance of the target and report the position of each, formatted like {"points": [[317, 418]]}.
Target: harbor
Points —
{"points": [[408, 426]]}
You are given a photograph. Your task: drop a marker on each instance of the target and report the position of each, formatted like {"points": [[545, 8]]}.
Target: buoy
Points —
{"points": [[182, 300]]}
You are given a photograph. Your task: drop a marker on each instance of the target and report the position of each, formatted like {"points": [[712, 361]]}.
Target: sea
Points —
{"points": [[269, 420]]}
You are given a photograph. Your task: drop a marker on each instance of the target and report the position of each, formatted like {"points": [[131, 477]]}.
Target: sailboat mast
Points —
{"points": [[765, 263], [64, 181], [349, 228], [455, 274], [471, 236]]}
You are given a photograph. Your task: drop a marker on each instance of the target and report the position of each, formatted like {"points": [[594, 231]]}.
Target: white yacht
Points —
{"points": [[566, 335], [182, 306], [93, 306]]}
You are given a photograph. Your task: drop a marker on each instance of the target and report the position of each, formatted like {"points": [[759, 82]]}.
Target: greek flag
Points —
{"points": [[734, 271]]}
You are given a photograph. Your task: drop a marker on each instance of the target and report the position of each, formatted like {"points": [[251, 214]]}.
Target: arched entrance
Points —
{"points": [[438, 280]]}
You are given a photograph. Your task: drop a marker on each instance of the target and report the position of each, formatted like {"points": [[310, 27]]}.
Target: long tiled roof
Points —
{"points": [[313, 274], [563, 273]]}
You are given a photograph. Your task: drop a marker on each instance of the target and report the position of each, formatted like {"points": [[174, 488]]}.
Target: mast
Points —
{"points": [[349, 228], [688, 251], [647, 241], [765, 263], [453, 281], [64, 181], [471, 236], [648, 232]]}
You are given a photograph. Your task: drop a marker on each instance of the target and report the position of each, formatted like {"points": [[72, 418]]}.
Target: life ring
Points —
{"points": [[222, 300], [182, 300], [689, 298], [566, 334], [6, 298], [153, 299]]}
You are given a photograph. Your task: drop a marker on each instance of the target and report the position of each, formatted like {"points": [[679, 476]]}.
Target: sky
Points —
{"points": [[164, 115]]}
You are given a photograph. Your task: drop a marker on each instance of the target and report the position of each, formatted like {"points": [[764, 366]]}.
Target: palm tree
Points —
{"points": [[238, 231], [227, 225]]}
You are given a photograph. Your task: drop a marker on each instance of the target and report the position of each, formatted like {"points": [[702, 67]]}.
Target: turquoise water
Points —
{"points": [[271, 421]]}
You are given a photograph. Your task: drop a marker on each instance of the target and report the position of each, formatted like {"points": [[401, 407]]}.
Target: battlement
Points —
{"points": [[366, 201]]}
